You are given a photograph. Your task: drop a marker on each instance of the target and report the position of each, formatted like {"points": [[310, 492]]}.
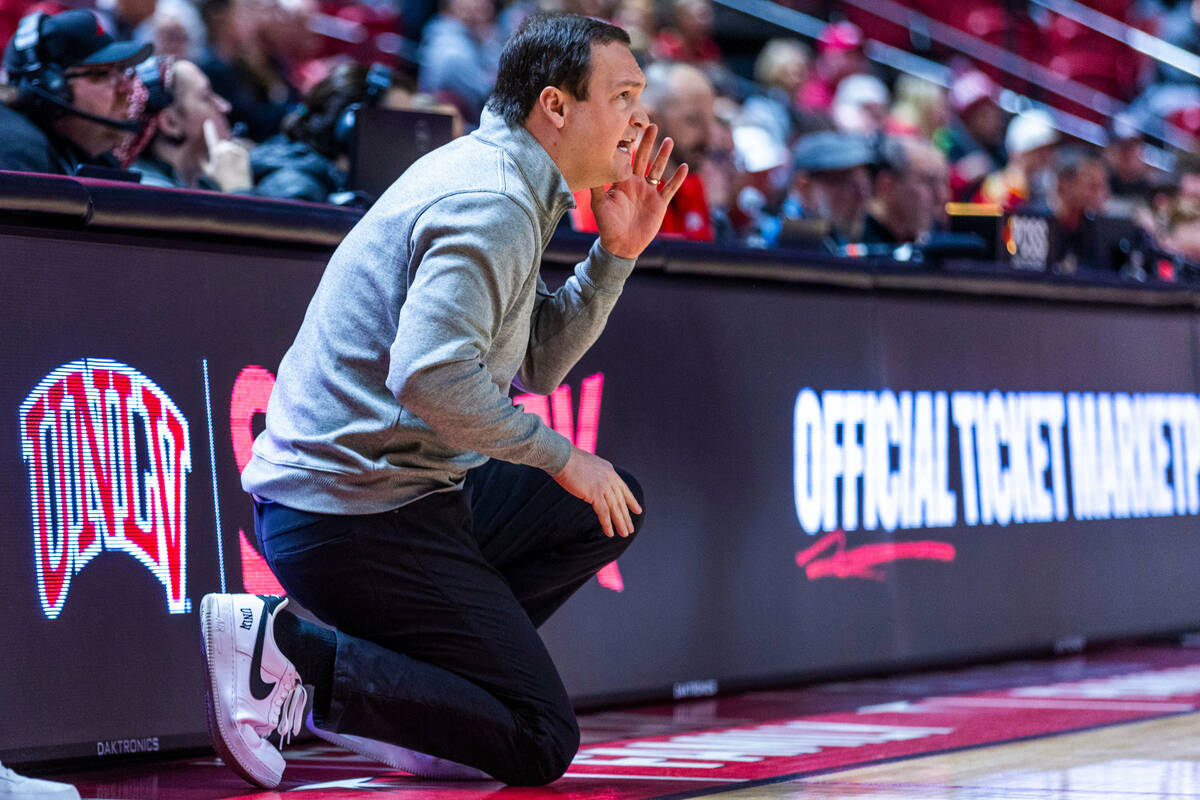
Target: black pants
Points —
{"points": [[437, 605]]}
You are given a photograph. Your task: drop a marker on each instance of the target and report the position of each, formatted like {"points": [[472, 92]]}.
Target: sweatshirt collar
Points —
{"points": [[535, 164]]}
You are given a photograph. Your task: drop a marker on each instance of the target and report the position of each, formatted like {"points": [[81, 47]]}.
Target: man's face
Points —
{"points": [[601, 132], [1086, 190], [285, 29], [840, 197], [985, 122], [694, 19], [1125, 156], [136, 11], [101, 90], [918, 196], [687, 117], [837, 63]]}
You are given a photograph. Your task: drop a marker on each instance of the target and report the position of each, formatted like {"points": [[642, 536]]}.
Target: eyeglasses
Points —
{"points": [[112, 76]]}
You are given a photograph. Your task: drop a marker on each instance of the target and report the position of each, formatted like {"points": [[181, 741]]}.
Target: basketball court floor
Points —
{"points": [[1122, 722]]}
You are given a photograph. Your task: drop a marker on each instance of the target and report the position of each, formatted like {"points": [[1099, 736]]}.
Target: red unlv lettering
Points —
{"points": [[107, 451]]}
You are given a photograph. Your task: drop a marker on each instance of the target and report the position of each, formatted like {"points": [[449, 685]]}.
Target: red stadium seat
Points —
{"points": [[876, 27], [366, 23]]}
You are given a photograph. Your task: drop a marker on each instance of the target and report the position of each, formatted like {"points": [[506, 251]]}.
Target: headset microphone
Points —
{"points": [[128, 126]]}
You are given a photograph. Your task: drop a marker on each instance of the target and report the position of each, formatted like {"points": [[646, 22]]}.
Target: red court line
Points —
{"points": [[775, 739]]}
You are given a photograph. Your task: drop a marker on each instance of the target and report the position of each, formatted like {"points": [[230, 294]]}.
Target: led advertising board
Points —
{"points": [[835, 480]]}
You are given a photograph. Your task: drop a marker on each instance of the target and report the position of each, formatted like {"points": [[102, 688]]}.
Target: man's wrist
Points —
{"points": [[619, 250]]}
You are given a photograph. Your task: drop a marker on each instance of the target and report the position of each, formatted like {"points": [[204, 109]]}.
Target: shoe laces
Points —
{"points": [[291, 714]]}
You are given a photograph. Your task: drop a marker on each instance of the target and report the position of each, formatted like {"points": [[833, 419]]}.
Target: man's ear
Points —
{"points": [[552, 103]]}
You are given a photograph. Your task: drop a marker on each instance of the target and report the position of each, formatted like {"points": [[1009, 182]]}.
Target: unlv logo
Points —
{"points": [[107, 451]]}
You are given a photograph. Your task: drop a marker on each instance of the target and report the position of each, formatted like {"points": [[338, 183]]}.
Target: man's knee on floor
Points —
{"points": [[547, 754]]}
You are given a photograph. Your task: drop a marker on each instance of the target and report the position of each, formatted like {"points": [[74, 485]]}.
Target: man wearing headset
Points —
{"points": [[70, 90]]}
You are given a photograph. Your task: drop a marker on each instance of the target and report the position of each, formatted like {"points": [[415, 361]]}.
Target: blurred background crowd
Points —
{"points": [[860, 127]]}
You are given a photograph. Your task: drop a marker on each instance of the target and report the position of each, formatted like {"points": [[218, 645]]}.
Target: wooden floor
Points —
{"points": [[1138, 761], [1109, 725]]}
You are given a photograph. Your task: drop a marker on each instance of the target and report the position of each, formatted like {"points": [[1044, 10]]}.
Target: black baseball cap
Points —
{"points": [[76, 38]]}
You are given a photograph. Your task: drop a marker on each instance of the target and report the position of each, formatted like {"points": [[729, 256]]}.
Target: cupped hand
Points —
{"points": [[593, 480], [629, 213]]}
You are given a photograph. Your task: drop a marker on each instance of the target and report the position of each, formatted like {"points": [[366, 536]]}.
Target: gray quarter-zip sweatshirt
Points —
{"points": [[398, 380]]}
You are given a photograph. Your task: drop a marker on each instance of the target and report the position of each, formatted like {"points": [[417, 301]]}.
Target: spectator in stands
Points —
{"points": [[459, 56], [1028, 179], [831, 183], [600, 9], [242, 67], [1080, 194], [177, 30], [638, 19], [911, 185], [1130, 177], [310, 158], [781, 69], [1182, 235], [719, 175], [1187, 171], [126, 20], [191, 146], [860, 105], [839, 53], [762, 172], [680, 99], [920, 109], [974, 139], [689, 38], [71, 90]]}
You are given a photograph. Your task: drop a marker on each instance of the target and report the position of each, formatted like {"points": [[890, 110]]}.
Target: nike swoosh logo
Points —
{"points": [[260, 689]]}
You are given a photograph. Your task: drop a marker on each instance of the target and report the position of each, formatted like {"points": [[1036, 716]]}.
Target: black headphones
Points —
{"points": [[379, 80], [155, 73], [42, 88]]}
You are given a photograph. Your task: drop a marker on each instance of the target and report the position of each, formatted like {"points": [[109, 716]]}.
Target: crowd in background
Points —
{"points": [[817, 145]]}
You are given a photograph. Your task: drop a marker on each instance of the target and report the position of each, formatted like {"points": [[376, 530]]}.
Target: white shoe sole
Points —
{"points": [[228, 743]]}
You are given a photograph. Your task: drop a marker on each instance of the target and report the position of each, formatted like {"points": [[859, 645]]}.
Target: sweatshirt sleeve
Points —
{"points": [[567, 322], [464, 274]]}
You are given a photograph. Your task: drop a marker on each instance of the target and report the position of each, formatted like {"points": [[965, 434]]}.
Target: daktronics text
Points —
{"points": [[107, 452]]}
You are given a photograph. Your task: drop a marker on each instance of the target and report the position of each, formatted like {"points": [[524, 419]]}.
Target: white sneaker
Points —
{"points": [[253, 690], [420, 764], [17, 787]]}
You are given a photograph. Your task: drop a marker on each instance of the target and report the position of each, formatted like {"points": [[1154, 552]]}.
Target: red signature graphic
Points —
{"points": [[862, 562]]}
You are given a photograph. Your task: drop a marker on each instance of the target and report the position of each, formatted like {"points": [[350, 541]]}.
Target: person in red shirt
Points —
{"points": [[839, 53], [690, 39], [679, 99]]}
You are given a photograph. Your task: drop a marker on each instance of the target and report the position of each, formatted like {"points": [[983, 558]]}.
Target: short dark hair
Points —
{"points": [[1072, 160], [548, 50]]}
